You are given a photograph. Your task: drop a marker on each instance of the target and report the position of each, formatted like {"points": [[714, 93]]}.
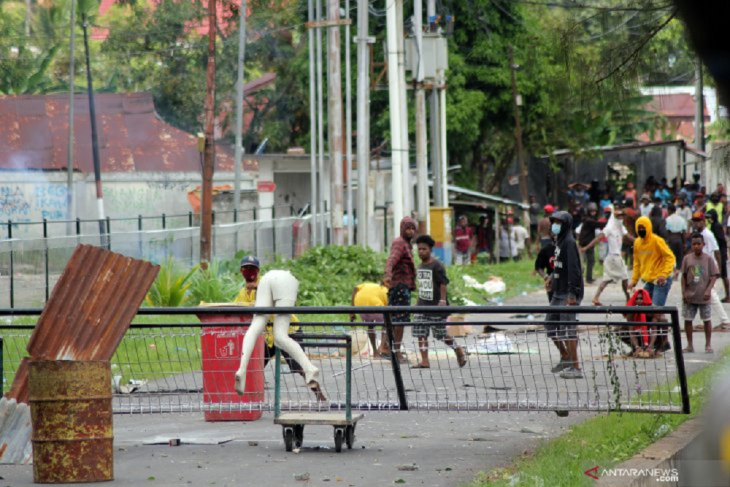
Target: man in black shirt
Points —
{"points": [[544, 265], [432, 281], [586, 236]]}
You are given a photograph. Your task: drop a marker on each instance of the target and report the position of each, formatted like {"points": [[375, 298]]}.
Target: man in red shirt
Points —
{"points": [[463, 240], [400, 279]]}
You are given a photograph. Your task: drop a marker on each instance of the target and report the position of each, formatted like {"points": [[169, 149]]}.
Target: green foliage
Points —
{"points": [[26, 62], [170, 289], [213, 285], [327, 275]]}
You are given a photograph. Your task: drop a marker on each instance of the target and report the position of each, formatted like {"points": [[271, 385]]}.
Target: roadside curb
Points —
{"points": [[665, 454]]}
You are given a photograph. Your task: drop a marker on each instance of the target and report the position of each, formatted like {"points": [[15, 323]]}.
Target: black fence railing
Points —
{"points": [[31, 261], [184, 359]]}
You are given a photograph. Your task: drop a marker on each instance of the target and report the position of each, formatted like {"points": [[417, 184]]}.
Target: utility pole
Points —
{"points": [[70, 150], [403, 96], [334, 118], [363, 121], [421, 142], [396, 142], [27, 17], [239, 107], [206, 220], [517, 101], [314, 194], [442, 141], [348, 127], [320, 131], [699, 108], [434, 132], [94, 135]]}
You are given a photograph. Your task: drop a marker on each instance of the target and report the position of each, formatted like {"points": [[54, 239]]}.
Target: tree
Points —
{"points": [[26, 60]]}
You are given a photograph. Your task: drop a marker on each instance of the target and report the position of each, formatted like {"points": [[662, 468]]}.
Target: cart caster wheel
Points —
{"points": [[350, 436], [339, 437], [298, 435], [288, 439]]}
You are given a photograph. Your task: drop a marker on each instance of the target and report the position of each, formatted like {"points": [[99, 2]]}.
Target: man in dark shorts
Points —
{"points": [[587, 234], [432, 291], [400, 279], [566, 283]]}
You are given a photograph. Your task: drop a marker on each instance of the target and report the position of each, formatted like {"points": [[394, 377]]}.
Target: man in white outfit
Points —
{"points": [[713, 250], [277, 289]]}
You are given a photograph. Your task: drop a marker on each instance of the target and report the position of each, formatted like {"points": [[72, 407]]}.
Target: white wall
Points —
{"points": [[34, 196]]}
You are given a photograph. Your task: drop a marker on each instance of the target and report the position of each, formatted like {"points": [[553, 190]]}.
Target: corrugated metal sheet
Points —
{"points": [[88, 313], [15, 446], [91, 306], [132, 137]]}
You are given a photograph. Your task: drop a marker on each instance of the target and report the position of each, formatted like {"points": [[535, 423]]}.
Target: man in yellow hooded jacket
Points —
{"points": [[653, 264]]}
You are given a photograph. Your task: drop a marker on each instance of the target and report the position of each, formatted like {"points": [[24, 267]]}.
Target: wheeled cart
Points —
{"points": [[293, 427], [343, 422]]}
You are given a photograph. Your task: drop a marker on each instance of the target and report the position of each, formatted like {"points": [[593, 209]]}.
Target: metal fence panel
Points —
{"points": [[161, 368]]}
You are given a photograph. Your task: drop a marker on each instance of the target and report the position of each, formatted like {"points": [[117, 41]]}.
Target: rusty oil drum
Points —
{"points": [[71, 412]]}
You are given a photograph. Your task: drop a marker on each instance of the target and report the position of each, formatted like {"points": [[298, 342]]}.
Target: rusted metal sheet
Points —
{"points": [[71, 411], [132, 138], [89, 310], [15, 428], [91, 306], [19, 387]]}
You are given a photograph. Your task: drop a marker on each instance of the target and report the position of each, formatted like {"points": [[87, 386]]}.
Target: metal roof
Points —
{"points": [[132, 137], [631, 146], [495, 200]]}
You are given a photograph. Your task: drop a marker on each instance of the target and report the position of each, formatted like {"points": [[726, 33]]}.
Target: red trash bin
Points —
{"points": [[221, 355]]}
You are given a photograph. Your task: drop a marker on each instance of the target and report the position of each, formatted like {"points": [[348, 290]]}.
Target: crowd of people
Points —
{"points": [[654, 236]]}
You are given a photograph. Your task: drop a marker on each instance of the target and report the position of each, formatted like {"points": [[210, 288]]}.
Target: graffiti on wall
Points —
{"points": [[13, 204], [52, 201]]}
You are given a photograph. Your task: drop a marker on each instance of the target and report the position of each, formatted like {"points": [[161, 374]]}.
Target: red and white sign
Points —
{"points": [[265, 186]]}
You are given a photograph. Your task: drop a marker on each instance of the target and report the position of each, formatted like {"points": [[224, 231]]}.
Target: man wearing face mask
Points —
{"points": [[566, 284], [250, 273], [614, 268], [653, 263]]}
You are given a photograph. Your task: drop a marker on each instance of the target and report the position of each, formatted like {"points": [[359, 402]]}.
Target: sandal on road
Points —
{"points": [[420, 366]]}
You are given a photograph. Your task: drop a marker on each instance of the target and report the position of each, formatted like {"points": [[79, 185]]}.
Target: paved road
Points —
{"points": [[448, 448]]}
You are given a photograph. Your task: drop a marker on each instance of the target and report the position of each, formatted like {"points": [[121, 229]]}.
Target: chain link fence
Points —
{"points": [[30, 267], [179, 364]]}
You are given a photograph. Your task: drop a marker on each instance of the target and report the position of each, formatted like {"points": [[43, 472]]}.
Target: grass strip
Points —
{"points": [[604, 440]]}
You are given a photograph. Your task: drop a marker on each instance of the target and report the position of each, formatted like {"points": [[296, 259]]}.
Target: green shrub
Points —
{"points": [[328, 274], [214, 285], [170, 289]]}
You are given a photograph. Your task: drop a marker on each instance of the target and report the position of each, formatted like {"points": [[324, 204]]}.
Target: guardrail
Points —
{"points": [[159, 366]]}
